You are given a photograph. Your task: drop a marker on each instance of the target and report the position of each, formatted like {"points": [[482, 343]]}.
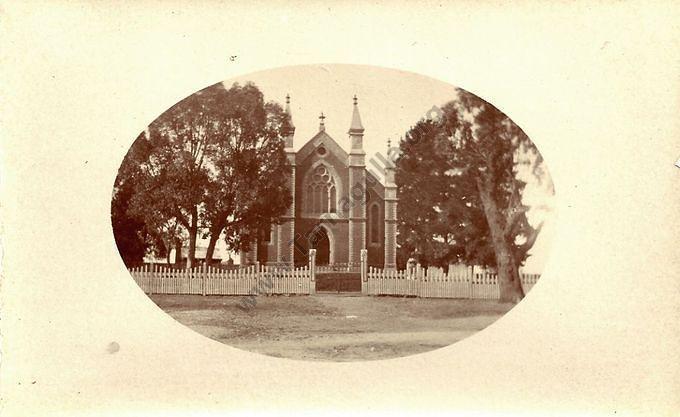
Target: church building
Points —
{"points": [[339, 206]]}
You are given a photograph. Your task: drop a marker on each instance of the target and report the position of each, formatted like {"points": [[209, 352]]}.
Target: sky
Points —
{"points": [[390, 102]]}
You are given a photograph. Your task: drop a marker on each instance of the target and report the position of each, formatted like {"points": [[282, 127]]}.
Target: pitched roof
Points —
{"points": [[318, 139], [378, 185]]}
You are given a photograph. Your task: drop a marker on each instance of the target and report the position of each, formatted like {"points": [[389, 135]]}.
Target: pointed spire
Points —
{"points": [[288, 104], [389, 162], [356, 127], [322, 126], [289, 127], [389, 165]]}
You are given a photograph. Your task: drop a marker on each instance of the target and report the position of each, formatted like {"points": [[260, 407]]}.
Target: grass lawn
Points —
{"points": [[333, 327]]}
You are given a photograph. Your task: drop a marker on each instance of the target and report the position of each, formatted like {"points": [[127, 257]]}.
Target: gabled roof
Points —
{"points": [[329, 142]]}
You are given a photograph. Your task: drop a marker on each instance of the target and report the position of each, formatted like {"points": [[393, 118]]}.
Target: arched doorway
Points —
{"points": [[319, 240]]}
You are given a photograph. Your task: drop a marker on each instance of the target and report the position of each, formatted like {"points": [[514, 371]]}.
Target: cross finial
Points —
{"points": [[389, 144], [321, 124], [287, 98], [355, 99]]}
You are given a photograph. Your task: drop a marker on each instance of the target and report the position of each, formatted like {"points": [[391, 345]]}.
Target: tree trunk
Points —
{"points": [[508, 275], [178, 252], [193, 232], [508, 271], [214, 237]]}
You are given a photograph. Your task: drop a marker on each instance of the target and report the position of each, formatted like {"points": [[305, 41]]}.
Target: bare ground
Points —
{"points": [[333, 327]]}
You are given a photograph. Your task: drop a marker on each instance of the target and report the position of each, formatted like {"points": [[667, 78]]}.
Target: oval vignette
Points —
{"points": [[334, 212]]}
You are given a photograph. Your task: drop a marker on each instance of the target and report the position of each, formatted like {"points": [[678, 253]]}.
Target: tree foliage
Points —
{"points": [[133, 236], [460, 192], [214, 162], [424, 230], [129, 233], [248, 186]]}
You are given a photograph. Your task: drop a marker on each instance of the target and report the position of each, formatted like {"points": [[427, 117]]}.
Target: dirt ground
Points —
{"points": [[333, 327]]}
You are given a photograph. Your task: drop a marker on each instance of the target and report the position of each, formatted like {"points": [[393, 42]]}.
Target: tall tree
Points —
{"points": [[489, 149], [424, 231], [174, 180], [248, 187], [466, 203], [214, 162], [439, 223]]}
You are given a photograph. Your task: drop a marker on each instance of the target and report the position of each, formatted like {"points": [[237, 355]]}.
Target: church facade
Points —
{"points": [[339, 206]]}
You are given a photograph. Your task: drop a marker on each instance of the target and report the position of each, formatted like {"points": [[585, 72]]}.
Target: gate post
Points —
{"points": [[364, 275], [411, 267], [312, 270], [411, 274]]}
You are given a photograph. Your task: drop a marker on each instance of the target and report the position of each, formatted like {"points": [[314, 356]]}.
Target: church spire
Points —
{"points": [[356, 126], [389, 165], [356, 163], [288, 126]]}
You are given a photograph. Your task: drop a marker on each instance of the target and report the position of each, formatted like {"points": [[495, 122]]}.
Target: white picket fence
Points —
{"points": [[459, 282], [252, 280], [434, 283]]}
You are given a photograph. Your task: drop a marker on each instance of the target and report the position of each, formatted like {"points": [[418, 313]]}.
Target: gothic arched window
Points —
{"points": [[374, 225], [321, 192]]}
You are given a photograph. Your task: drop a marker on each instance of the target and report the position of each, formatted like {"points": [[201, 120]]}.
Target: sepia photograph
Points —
{"points": [[334, 212], [329, 208]]}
